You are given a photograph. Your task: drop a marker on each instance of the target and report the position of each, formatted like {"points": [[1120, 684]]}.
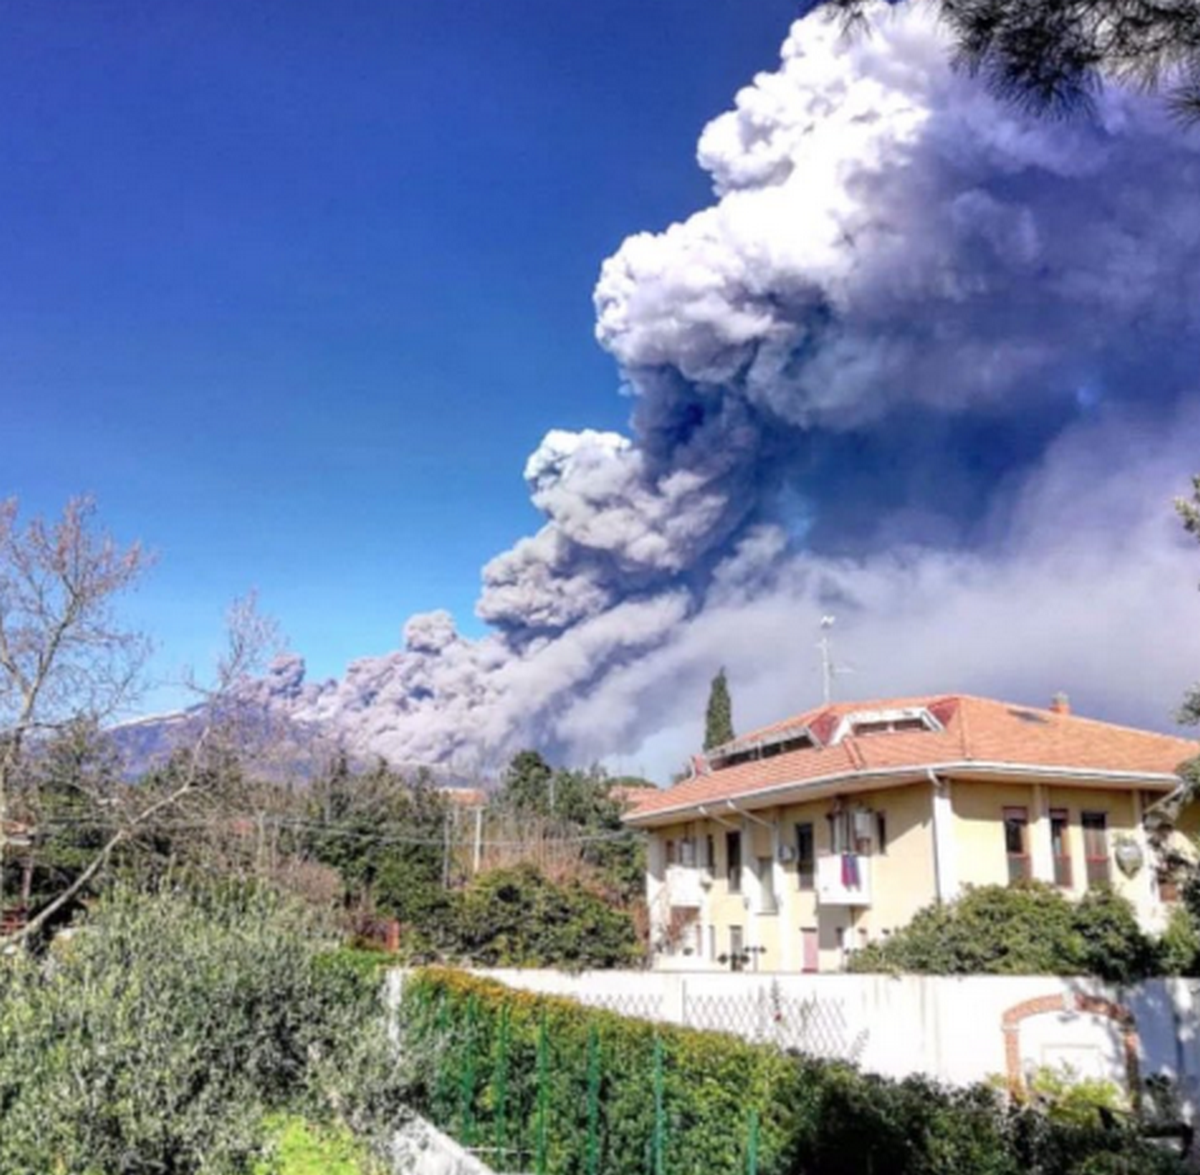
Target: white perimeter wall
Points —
{"points": [[946, 1027]]}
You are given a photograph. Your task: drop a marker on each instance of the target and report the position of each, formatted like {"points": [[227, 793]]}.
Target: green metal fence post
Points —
{"points": [[466, 1093], [441, 1023], [752, 1144], [543, 1094], [500, 1088], [593, 1102], [659, 1121]]}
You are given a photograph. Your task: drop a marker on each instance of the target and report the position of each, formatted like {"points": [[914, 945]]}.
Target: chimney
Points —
{"points": [[1060, 704]]}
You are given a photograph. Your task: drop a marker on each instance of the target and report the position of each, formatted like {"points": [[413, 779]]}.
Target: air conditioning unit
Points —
{"points": [[864, 820], [786, 854]]}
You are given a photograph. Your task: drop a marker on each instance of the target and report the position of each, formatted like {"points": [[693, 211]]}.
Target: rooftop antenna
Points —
{"points": [[827, 668]]}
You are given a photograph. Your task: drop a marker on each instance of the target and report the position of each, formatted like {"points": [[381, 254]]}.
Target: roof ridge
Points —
{"points": [[856, 755], [963, 727]]}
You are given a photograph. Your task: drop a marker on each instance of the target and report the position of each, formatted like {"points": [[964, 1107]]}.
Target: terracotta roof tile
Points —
{"points": [[978, 730]]}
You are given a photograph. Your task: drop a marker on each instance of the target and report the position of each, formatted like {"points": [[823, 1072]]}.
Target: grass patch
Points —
{"points": [[304, 1148]]}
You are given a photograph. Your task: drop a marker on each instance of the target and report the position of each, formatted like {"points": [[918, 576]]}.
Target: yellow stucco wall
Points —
{"points": [[904, 877], [979, 832]]}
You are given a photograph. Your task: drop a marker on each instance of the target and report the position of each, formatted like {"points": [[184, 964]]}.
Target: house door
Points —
{"points": [[810, 948]]}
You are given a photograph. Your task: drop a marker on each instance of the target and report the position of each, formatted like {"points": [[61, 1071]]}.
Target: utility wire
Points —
{"points": [[222, 823]]}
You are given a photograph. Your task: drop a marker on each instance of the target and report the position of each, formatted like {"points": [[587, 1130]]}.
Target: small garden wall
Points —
{"points": [[540, 1084]]}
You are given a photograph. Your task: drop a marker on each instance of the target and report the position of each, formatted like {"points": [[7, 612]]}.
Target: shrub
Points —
{"points": [[1180, 944], [158, 1036], [1026, 929], [520, 918], [1064, 1096], [514, 1072]]}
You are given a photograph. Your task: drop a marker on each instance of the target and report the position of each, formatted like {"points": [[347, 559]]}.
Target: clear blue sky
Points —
{"points": [[293, 288]]}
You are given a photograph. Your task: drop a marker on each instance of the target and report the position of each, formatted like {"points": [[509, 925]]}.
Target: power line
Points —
{"points": [[327, 829]]}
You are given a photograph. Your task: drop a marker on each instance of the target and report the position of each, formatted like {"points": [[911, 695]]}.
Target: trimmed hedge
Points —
{"points": [[728, 1107]]}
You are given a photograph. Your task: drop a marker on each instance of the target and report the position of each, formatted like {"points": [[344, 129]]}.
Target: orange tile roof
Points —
{"points": [[975, 732]]}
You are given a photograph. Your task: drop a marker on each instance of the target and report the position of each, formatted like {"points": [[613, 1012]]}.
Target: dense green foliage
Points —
{"points": [[384, 836], [57, 795], [578, 806], [813, 1117], [718, 715], [1026, 929], [161, 1033], [518, 918]]}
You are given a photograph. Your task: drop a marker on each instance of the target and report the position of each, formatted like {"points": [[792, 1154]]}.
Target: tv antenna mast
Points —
{"points": [[829, 668]]}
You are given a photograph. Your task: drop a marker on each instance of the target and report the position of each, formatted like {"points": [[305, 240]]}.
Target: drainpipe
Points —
{"points": [[945, 873]]}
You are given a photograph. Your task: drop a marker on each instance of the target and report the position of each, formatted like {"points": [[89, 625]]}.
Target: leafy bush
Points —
{"points": [[488, 1044], [1180, 944], [519, 918], [1026, 929], [1064, 1096], [158, 1036]]}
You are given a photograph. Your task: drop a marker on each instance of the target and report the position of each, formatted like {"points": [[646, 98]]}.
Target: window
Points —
{"points": [[733, 861], [783, 743], [806, 857], [841, 831], [687, 852], [1016, 843], [881, 841], [1095, 847], [672, 853], [710, 853], [850, 830], [1060, 847], [887, 726]]}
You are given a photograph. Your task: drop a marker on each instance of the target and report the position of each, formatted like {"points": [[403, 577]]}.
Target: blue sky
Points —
{"points": [[293, 289]]}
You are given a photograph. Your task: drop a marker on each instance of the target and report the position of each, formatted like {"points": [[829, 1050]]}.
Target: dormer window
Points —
{"points": [[780, 743], [866, 723], [859, 729]]}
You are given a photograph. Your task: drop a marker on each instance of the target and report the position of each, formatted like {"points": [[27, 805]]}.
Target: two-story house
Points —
{"points": [[796, 843]]}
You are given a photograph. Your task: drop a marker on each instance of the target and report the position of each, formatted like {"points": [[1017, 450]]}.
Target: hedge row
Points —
{"points": [[545, 1085]]}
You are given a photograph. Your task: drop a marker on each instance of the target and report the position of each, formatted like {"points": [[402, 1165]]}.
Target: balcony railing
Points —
{"points": [[844, 879]]}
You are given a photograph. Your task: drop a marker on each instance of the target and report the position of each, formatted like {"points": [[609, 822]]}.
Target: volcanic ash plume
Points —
{"points": [[925, 360]]}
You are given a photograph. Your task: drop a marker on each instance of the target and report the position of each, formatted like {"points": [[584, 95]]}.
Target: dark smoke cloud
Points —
{"points": [[875, 375]]}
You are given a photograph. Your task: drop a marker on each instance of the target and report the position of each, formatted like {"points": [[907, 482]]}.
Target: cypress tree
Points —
{"points": [[718, 718]]}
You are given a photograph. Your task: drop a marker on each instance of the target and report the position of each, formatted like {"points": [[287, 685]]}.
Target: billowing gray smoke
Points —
{"points": [[925, 362]]}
